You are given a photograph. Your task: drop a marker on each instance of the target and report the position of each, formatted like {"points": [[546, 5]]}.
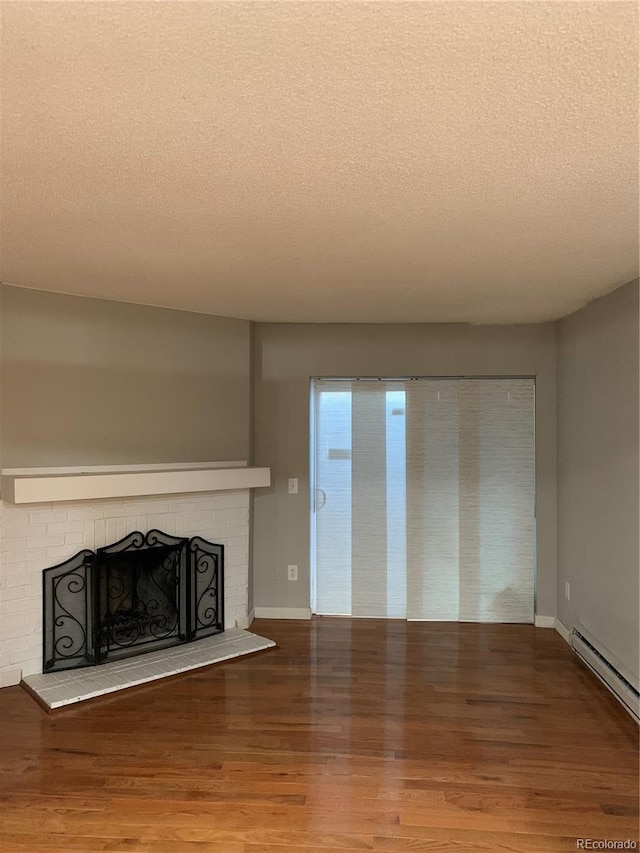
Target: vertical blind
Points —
{"points": [[425, 499]]}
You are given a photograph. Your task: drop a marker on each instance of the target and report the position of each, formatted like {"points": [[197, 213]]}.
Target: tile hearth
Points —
{"points": [[57, 689]]}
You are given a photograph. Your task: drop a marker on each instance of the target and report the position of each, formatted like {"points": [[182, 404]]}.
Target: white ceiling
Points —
{"points": [[321, 161]]}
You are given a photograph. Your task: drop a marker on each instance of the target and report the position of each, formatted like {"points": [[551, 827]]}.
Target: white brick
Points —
{"points": [[21, 658], [20, 579], [239, 541], [119, 508], [12, 594], [32, 667], [13, 545], [85, 513], [157, 507], [241, 560], [59, 555], [185, 505], [11, 569], [221, 518], [24, 529], [36, 566], [10, 677], [15, 626], [111, 529], [114, 511], [154, 522], [237, 503], [65, 527], [234, 596], [239, 591], [231, 600], [99, 534], [48, 516], [21, 556], [199, 519], [170, 524], [181, 520], [47, 541], [239, 515], [19, 605], [17, 645]]}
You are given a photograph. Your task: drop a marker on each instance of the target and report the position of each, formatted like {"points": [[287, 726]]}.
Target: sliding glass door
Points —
{"points": [[424, 499]]}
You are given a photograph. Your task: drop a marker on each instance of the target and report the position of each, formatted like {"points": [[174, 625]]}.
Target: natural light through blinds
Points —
{"points": [[425, 497]]}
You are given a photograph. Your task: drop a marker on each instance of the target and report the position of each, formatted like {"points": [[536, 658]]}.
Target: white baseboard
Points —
{"points": [[564, 632], [282, 612], [10, 677], [545, 621], [554, 622]]}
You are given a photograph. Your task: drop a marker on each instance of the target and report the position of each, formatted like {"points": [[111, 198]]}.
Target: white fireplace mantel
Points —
{"points": [[47, 485]]}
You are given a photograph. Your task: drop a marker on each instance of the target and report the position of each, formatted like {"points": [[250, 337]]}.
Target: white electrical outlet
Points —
{"points": [[292, 573], [293, 485], [567, 590]]}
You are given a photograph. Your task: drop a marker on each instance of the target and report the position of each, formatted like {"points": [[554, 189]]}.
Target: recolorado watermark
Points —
{"points": [[605, 844]]}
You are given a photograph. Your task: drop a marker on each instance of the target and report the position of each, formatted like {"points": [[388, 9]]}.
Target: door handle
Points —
{"points": [[323, 494]]}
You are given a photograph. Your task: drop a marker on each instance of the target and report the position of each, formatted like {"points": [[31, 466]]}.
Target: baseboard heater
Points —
{"points": [[611, 673]]}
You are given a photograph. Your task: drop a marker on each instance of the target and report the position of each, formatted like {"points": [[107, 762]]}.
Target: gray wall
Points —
{"points": [[286, 356], [1, 300], [87, 381], [598, 471]]}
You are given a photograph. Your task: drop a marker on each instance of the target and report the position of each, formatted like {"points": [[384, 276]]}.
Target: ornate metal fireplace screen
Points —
{"points": [[145, 592]]}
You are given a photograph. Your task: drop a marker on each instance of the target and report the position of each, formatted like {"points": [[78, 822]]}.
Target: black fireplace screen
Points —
{"points": [[143, 593]]}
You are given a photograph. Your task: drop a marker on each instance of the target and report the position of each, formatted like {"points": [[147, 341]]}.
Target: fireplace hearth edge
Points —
{"points": [[144, 593]]}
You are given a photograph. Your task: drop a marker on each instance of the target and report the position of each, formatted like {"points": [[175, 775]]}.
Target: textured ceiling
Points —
{"points": [[320, 161]]}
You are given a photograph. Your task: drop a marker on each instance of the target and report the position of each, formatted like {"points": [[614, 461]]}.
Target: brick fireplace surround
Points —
{"points": [[36, 536]]}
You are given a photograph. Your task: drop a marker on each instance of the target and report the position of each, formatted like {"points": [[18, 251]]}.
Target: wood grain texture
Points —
{"points": [[353, 735]]}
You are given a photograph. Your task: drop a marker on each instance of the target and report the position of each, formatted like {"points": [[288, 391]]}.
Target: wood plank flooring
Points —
{"points": [[353, 735]]}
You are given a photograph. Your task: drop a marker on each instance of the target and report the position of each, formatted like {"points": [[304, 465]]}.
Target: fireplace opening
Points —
{"points": [[139, 598], [143, 593]]}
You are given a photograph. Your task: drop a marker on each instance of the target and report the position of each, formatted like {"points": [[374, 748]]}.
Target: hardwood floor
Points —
{"points": [[353, 735]]}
